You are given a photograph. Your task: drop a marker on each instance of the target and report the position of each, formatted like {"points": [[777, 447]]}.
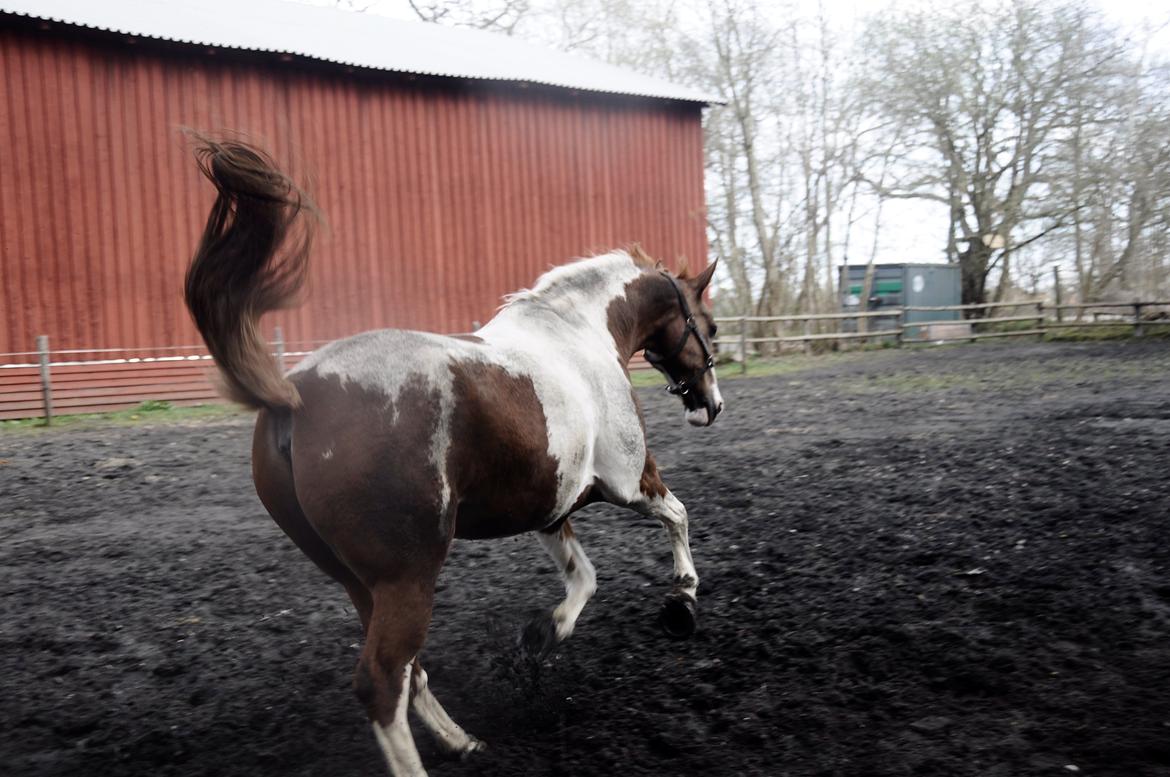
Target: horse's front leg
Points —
{"points": [[542, 634], [678, 612]]}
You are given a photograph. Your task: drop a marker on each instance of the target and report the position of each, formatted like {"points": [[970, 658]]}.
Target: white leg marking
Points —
{"points": [[395, 739], [578, 573], [449, 734], [670, 511]]}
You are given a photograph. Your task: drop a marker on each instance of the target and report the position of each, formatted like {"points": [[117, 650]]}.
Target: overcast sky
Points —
{"points": [[1134, 13]]}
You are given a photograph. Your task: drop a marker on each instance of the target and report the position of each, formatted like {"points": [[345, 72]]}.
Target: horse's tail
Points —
{"points": [[253, 258]]}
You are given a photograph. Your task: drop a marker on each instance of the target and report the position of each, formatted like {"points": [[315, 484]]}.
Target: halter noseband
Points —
{"points": [[658, 361]]}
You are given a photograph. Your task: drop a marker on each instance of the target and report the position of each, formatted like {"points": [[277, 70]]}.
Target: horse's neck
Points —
{"points": [[581, 308], [553, 326], [637, 314]]}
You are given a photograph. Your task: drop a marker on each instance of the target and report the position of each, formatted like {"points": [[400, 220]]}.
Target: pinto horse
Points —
{"points": [[379, 449]]}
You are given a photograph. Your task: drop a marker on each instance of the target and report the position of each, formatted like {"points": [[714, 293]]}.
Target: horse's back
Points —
{"points": [[450, 430], [382, 361]]}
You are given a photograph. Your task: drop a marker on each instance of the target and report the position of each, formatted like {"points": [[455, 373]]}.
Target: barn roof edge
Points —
{"points": [[351, 39]]}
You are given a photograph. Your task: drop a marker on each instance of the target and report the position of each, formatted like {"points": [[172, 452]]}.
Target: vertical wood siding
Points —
{"points": [[438, 199]]}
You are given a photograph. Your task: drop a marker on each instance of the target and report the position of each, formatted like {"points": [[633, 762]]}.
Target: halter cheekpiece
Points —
{"points": [[658, 361]]}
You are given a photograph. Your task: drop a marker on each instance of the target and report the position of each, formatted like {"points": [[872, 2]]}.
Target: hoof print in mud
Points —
{"points": [[677, 617], [539, 637]]}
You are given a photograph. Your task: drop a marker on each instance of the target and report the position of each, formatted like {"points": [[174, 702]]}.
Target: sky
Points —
{"points": [[1131, 13]]}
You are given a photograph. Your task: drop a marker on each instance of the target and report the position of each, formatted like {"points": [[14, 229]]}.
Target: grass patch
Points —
{"points": [[980, 327], [1040, 375], [782, 365], [762, 368], [757, 368], [151, 411], [914, 383], [1120, 331]]}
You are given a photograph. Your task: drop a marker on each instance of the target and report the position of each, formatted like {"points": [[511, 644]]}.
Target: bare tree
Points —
{"points": [[988, 96], [744, 47], [784, 149], [647, 36], [1118, 175], [828, 119], [498, 16]]}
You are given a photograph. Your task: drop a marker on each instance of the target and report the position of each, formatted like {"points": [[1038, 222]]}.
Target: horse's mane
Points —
{"points": [[579, 273]]}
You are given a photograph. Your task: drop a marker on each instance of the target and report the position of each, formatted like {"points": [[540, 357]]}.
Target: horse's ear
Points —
{"points": [[700, 281]]}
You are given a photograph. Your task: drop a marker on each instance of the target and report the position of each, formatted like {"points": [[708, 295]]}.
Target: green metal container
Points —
{"points": [[900, 285]]}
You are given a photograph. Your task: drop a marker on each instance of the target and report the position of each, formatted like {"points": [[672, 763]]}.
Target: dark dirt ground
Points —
{"points": [[947, 562]]}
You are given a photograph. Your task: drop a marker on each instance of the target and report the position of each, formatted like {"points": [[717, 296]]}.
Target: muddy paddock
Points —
{"points": [[946, 562]]}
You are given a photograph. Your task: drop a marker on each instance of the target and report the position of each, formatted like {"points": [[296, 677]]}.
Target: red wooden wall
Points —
{"points": [[440, 195]]}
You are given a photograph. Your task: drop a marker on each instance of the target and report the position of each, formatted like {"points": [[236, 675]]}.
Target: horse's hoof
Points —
{"points": [[539, 637], [474, 746], [677, 617]]}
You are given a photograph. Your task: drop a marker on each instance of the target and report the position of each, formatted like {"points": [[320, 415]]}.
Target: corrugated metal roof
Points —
{"points": [[347, 38]]}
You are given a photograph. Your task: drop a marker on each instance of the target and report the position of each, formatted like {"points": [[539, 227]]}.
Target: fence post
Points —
{"points": [[46, 380], [807, 331], [901, 327], [279, 338], [1138, 329], [743, 345], [1040, 320], [1056, 282]]}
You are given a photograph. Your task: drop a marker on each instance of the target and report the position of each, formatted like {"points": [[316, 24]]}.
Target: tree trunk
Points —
{"points": [[974, 261]]}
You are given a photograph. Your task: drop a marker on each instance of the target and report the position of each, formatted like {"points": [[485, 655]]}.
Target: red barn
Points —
{"points": [[452, 166]]}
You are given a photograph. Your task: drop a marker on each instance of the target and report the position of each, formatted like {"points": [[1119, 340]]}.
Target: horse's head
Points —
{"points": [[681, 347]]}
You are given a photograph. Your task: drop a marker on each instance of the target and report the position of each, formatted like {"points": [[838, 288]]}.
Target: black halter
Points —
{"points": [[658, 361]]}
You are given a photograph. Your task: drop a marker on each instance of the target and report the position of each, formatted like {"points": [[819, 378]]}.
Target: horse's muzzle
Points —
{"points": [[714, 407], [705, 415]]}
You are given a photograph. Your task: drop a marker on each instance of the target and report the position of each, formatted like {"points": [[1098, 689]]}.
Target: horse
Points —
{"points": [[379, 449]]}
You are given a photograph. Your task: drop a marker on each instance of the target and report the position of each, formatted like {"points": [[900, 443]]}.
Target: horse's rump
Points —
{"points": [[433, 426]]}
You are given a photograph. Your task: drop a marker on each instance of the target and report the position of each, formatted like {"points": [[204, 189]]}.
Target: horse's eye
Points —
{"points": [[714, 329]]}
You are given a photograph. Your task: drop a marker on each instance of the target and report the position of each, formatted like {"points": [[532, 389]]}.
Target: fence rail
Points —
{"points": [[41, 382], [83, 380], [902, 328]]}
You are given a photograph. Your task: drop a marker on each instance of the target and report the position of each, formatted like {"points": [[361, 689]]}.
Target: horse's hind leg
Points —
{"points": [[580, 584], [402, 613], [447, 733], [272, 473]]}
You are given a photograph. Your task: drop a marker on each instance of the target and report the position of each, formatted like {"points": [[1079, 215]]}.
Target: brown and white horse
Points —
{"points": [[379, 449]]}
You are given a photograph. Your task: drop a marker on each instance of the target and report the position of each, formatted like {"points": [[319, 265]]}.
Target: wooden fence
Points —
{"points": [[894, 326], [44, 382], [41, 382]]}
